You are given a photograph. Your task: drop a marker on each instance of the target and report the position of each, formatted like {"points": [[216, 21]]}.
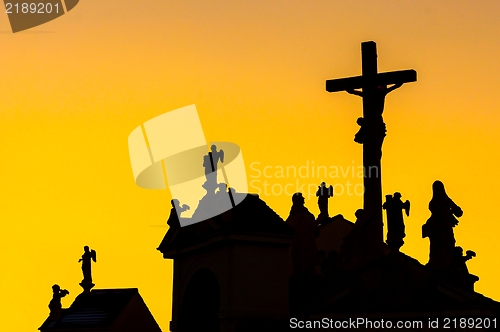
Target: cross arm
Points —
{"points": [[343, 84], [397, 77], [357, 82]]}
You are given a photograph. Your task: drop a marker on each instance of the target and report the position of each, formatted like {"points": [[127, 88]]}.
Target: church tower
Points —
{"points": [[231, 272]]}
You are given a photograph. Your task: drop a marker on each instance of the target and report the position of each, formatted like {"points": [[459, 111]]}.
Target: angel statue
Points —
{"points": [[87, 256], [323, 193], [210, 164]]}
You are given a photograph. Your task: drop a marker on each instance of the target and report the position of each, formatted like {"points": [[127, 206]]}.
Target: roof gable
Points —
{"points": [[251, 216], [98, 309]]}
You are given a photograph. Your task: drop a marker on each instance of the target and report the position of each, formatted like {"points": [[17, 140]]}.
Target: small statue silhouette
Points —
{"points": [[175, 212], [87, 258], [439, 227], [55, 305], [304, 251], [323, 193], [461, 273], [210, 164], [304, 254], [394, 207]]}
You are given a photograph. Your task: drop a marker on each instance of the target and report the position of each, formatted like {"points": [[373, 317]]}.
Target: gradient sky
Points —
{"points": [[73, 89]]}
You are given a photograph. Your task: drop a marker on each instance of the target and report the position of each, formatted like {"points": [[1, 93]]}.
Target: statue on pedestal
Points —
{"points": [[394, 207], [439, 227], [323, 193], [55, 305], [87, 258], [460, 272], [304, 251], [210, 162], [175, 212]]}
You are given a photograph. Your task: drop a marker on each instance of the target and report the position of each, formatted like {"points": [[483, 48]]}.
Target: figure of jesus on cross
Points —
{"points": [[374, 88], [378, 109]]}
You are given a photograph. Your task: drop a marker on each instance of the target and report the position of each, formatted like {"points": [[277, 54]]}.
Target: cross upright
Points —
{"points": [[374, 88]]}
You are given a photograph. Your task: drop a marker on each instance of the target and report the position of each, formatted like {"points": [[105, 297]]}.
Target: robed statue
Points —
{"points": [[87, 258], [55, 305], [304, 251], [394, 207], [460, 272], [439, 227], [304, 254], [323, 193], [175, 212]]}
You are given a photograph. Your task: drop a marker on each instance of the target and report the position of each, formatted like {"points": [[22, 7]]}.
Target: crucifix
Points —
{"points": [[374, 88]]}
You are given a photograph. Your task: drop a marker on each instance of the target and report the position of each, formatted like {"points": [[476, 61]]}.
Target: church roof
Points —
{"points": [[251, 216], [100, 310]]}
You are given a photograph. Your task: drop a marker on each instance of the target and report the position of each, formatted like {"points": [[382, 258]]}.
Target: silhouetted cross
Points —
{"points": [[374, 89]]}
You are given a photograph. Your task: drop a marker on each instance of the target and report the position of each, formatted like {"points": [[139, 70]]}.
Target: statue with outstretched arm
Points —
{"points": [[87, 258], [55, 305]]}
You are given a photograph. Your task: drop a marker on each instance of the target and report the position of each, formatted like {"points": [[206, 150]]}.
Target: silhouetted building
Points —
{"points": [[333, 230], [397, 288], [231, 272], [105, 310], [248, 270]]}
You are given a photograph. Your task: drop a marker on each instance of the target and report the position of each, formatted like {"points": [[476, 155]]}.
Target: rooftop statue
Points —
{"points": [[323, 193], [439, 227], [55, 305], [87, 258], [394, 207], [304, 252]]}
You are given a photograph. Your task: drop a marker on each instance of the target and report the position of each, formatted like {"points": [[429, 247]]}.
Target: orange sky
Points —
{"points": [[73, 89]]}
